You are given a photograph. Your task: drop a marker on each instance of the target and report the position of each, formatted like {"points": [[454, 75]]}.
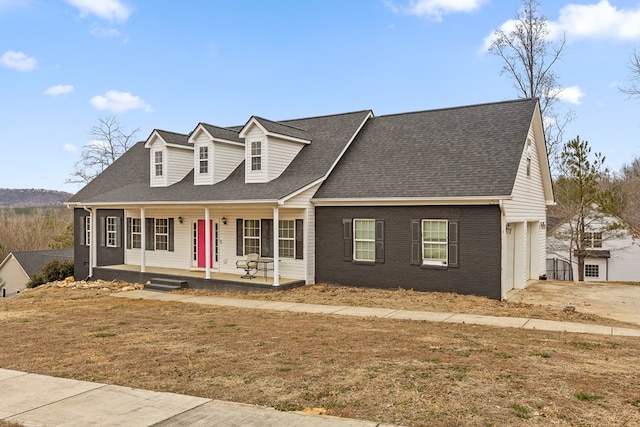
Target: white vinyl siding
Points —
{"points": [[179, 163], [14, 277], [181, 258], [226, 158], [276, 155]]}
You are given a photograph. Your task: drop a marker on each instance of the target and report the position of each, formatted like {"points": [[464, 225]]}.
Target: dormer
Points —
{"points": [[270, 147], [171, 157], [217, 152]]}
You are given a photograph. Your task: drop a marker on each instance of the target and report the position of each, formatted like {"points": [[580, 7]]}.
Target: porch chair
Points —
{"points": [[249, 265]]}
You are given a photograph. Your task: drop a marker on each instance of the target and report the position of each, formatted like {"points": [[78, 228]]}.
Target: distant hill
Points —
{"points": [[22, 198]]}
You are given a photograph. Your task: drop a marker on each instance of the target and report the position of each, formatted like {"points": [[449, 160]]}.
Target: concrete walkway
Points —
{"points": [[40, 400], [387, 313]]}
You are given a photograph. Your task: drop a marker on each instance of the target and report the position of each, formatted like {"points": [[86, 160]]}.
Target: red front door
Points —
{"points": [[201, 243]]}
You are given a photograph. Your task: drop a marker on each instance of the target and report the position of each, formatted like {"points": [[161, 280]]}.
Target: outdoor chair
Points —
{"points": [[249, 265]]}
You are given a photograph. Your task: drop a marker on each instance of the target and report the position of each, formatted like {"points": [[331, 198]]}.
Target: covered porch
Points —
{"points": [[195, 279]]}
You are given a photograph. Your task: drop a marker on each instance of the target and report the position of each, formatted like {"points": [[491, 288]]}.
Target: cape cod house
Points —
{"points": [[17, 268], [443, 200]]}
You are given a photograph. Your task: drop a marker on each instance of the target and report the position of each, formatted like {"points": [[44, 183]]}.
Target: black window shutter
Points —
{"points": [[171, 228], [299, 239], [453, 244], [129, 226], [347, 250], [266, 238], [379, 240], [416, 242], [103, 230], [83, 230], [150, 234], [239, 237]]}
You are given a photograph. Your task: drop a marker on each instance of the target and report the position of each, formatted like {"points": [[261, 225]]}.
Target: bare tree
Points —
{"points": [[109, 140], [634, 65], [529, 56]]}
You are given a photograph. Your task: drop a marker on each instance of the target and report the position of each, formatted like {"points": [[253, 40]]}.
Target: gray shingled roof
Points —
{"points": [[127, 179], [456, 152], [283, 129], [173, 137], [33, 261], [223, 133]]}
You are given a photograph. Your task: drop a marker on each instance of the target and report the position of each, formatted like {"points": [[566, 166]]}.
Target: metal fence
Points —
{"points": [[559, 269]]}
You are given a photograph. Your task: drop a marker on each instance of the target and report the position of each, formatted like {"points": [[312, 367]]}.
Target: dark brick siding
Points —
{"points": [[479, 250]]}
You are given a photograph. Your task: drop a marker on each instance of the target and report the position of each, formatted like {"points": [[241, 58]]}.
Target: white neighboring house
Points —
{"points": [[18, 267], [613, 249]]}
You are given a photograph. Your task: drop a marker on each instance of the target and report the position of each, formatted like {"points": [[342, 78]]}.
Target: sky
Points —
{"points": [[160, 64]]}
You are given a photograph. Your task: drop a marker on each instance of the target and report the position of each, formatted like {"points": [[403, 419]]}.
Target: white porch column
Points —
{"points": [[207, 244], [143, 242], [276, 251]]}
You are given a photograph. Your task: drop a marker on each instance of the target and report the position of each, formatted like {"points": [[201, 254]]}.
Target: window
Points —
{"points": [[591, 270], [112, 231], [162, 234], [434, 242], [87, 230], [593, 239], [157, 161], [136, 233], [251, 236], [364, 240], [204, 160], [286, 238], [256, 155]]}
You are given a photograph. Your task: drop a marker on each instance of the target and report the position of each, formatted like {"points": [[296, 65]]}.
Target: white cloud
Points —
{"points": [[601, 20], [18, 61], [70, 148], [58, 90], [435, 9], [110, 10], [117, 101], [578, 21], [570, 94]]}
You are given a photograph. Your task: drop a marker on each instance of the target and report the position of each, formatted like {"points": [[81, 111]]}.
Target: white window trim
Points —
{"points": [[245, 238], [203, 161], [160, 163], [157, 234], [252, 156], [87, 230], [431, 261], [136, 233], [111, 223], [356, 240], [287, 239], [595, 267]]}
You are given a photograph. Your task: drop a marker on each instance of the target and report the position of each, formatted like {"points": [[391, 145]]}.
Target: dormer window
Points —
{"points": [[204, 160], [157, 161], [256, 155]]}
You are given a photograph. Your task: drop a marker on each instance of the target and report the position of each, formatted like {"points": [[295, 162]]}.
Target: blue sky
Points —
{"points": [[170, 65]]}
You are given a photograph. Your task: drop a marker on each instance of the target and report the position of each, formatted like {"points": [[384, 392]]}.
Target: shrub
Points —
{"points": [[54, 270]]}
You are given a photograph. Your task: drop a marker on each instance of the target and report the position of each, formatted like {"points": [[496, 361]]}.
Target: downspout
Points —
{"points": [[91, 245], [503, 252]]}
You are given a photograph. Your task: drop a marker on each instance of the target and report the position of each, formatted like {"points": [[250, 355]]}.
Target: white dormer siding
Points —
{"points": [[223, 157], [168, 163], [274, 155]]}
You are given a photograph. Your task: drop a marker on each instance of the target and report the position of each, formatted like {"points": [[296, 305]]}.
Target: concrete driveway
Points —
{"points": [[614, 301]]}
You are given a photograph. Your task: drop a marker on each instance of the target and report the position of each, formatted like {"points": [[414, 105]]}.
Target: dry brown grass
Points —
{"points": [[395, 371]]}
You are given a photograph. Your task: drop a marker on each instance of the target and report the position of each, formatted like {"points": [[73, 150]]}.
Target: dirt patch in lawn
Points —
{"points": [[395, 371]]}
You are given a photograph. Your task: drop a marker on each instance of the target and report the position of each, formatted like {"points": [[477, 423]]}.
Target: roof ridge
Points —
{"points": [[279, 123], [175, 133], [460, 107], [322, 116]]}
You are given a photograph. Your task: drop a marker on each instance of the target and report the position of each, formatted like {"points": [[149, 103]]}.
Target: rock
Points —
{"points": [[569, 309]]}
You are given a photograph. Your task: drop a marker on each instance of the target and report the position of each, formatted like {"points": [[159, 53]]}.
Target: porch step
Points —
{"points": [[165, 285]]}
